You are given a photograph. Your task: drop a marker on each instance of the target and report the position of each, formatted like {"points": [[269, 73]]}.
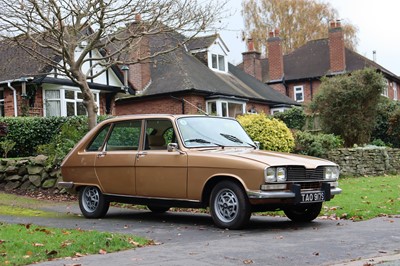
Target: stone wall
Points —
{"points": [[367, 161], [28, 173]]}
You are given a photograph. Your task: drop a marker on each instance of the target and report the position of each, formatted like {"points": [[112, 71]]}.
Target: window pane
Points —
{"points": [[81, 110], [70, 108], [221, 62], [80, 96], [212, 108], [53, 108], [52, 94], [69, 94], [99, 140], [224, 110], [125, 136], [214, 61], [235, 109]]}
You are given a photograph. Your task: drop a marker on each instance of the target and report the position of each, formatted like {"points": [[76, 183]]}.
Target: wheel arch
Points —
{"points": [[210, 184]]}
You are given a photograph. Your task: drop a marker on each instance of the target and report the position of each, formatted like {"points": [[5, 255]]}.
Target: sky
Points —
{"points": [[378, 26]]}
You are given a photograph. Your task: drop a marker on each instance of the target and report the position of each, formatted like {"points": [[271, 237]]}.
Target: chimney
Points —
{"points": [[251, 61], [336, 47], [275, 56], [140, 73]]}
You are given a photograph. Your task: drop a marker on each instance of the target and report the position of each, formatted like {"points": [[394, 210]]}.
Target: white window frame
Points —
{"points": [[63, 100], [395, 91], [219, 67], [278, 110], [295, 91], [220, 107], [386, 89]]}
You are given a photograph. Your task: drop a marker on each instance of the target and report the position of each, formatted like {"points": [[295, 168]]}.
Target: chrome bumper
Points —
{"points": [[281, 194], [66, 184]]}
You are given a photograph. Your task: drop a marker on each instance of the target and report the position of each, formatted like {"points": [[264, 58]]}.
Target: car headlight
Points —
{"points": [[275, 174], [331, 173]]}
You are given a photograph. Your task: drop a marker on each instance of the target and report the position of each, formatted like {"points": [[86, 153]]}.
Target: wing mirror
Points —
{"points": [[172, 147]]}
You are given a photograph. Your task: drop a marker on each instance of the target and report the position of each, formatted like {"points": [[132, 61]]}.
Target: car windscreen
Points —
{"points": [[212, 131]]}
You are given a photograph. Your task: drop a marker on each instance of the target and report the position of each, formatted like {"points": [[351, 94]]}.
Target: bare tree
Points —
{"points": [[298, 21], [52, 30]]}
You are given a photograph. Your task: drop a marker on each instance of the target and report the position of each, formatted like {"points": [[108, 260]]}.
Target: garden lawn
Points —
{"points": [[364, 198], [22, 244]]}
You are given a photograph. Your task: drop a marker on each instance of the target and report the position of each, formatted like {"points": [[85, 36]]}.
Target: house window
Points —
{"points": [[299, 94], [218, 62], [64, 102], [386, 89], [1, 102], [226, 108], [395, 91]]}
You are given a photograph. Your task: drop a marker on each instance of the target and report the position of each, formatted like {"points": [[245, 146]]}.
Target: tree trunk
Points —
{"points": [[88, 101]]}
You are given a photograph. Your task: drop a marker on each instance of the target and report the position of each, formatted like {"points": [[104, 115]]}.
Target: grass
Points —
{"points": [[364, 198], [25, 244]]}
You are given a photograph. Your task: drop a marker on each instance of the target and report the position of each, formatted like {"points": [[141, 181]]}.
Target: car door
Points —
{"points": [[159, 173], [116, 161]]}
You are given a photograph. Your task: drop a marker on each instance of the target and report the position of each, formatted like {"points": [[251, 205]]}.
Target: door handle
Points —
{"points": [[102, 154], [141, 154]]}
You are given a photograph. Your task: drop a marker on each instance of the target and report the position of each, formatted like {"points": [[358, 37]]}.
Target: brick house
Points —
{"points": [[31, 88], [195, 78], [297, 74]]}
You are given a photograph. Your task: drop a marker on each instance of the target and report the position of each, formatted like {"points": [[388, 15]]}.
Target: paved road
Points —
{"points": [[192, 239]]}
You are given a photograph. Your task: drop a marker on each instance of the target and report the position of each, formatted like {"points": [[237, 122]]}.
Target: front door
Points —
{"points": [[159, 173]]}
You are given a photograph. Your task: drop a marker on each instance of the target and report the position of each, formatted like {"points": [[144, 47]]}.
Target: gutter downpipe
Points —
{"points": [[14, 96]]}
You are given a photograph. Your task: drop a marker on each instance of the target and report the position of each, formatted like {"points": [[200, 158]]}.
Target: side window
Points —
{"points": [[98, 141], [158, 134], [124, 136]]}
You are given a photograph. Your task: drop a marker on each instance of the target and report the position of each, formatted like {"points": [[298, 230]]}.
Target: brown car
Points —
{"points": [[194, 161]]}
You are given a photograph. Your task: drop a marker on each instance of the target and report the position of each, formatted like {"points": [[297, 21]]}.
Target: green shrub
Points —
{"points": [[386, 111], [272, 134], [29, 132], [317, 145], [394, 128], [7, 145], [294, 118]]}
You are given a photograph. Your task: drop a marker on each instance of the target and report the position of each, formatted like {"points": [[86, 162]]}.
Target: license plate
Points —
{"points": [[312, 196]]}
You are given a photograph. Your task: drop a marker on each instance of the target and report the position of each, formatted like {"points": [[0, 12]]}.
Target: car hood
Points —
{"points": [[271, 158]]}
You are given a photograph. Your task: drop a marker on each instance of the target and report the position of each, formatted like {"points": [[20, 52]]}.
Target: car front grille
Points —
{"points": [[299, 173]]}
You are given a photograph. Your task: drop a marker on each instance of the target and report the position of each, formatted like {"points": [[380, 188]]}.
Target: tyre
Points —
{"points": [[92, 202], [229, 205], [157, 209], [304, 213]]}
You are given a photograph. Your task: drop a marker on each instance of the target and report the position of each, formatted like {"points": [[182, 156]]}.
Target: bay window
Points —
{"points": [[225, 108]]}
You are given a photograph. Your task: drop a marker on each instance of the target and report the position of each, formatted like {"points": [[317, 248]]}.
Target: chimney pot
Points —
{"points": [[271, 34], [276, 32], [250, 45]]}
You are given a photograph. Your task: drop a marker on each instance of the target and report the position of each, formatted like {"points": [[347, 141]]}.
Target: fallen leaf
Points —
{"points": [[102, 252], [51, 253], [248, 261], [38, 245], [2, 241], [77, 254]]}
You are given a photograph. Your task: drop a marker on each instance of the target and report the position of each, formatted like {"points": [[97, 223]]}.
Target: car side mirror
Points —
{"points": [[172, 147]]}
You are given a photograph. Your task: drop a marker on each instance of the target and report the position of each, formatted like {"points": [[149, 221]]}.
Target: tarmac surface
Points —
{"points": [[192, 239]]}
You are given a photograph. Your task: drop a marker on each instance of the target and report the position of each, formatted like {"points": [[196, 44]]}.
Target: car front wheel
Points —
{"points": [[229, 206], [304, 213], [92, 202]]}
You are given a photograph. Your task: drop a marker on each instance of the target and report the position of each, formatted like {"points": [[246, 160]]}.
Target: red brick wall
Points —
{"points": [[258, 107], [310, 90], [164, 105], [35, 110], [252, 64]]}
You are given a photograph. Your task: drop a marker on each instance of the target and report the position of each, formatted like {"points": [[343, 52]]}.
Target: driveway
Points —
{"points": [[192, 239]]}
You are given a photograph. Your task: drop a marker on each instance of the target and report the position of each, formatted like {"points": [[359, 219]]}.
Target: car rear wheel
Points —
{"points": [[157, 209], [304, 213], [229, 205], [92, 202]]}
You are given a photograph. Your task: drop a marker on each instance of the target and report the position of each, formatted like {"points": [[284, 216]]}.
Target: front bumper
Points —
{"points": [[294, 194]]}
